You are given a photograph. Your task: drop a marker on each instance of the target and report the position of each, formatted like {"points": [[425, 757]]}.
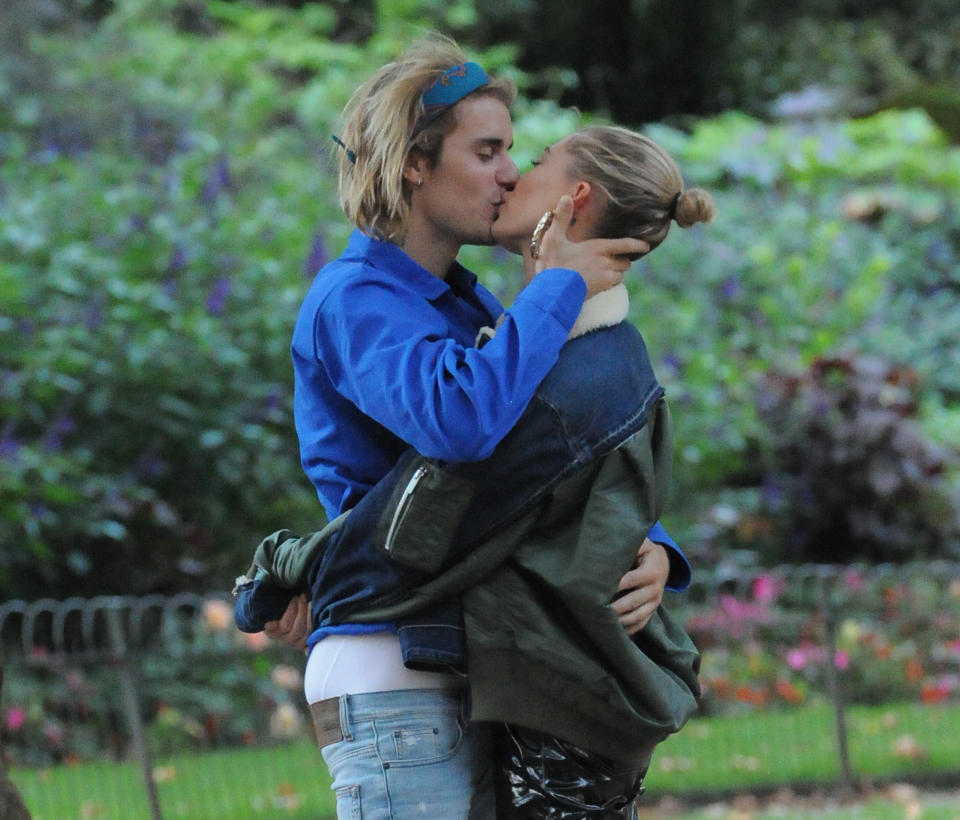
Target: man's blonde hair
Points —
{"points": [[380, 130]]}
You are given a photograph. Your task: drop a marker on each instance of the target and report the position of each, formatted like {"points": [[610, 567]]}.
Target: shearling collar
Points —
{"points": [[604, 309]]}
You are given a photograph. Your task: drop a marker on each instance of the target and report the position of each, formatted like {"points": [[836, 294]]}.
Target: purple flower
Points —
{"points": [[137, 222], [10, 448], [217, 298], [38, 510], [939, 254], [218, 180], [672, 363], [53, 440], [730, 288], [150, 466], [93, 313], [317, 257], [178, 259]]}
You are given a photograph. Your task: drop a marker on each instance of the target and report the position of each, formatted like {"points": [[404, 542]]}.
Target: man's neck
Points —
{"points": [[430, 252]]}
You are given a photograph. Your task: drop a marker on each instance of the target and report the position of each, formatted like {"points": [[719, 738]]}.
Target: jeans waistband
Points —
{"points": [[333, 717]]}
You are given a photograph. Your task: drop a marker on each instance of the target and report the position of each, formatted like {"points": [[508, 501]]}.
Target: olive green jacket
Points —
{"points": [[546, 649]]}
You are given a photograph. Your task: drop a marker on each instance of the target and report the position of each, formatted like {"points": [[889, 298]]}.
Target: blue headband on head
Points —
{"points": [[454, 84]]}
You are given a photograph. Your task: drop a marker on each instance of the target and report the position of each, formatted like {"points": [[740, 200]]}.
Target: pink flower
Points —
{"points": [[767, 588], [841, 659], [53, 733], [853, 580], [800, 656], [16, 717]]}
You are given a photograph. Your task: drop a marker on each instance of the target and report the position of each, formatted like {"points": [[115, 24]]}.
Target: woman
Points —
{"points": [[531, 502]]}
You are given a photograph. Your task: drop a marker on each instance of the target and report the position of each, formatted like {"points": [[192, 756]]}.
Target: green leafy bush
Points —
{"points": [[165, 194]]}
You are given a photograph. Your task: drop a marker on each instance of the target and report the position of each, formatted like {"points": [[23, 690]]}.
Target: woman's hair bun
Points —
{"points": [[695, 205]]}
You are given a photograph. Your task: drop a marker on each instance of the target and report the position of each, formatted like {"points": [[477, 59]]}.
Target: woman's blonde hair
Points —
{"points": [[643, 184], [380, 130]]}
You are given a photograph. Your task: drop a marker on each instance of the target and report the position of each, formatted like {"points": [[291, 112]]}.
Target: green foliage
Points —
{"points": [[165, 192]]}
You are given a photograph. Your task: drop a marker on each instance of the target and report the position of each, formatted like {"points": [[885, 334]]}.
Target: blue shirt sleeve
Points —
{"points": [[390, 352], [680, 571]]}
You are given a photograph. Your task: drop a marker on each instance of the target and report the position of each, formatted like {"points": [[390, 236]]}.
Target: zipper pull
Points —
{"points": [[404, 504]]}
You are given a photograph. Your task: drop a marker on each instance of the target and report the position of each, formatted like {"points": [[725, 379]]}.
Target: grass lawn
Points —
{"points": [[762, 749], [892, 804], [241, 784], [731, 754]]}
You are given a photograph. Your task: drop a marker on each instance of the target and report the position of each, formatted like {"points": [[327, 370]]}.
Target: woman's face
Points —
{"points": [[535, 192]]}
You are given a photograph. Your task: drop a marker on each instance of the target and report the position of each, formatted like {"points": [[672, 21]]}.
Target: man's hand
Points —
{"points": [[293, 626], [643, 587], [601, 262]]}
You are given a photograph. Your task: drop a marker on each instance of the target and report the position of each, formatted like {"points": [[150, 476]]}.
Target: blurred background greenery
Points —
{"points": [[166, 193]]}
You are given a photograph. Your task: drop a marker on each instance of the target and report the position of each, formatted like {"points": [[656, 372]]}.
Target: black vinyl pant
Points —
{"points": [[541, 777]]}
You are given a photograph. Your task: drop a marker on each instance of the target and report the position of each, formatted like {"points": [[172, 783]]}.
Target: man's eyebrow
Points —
{"points": [[493, 142]]}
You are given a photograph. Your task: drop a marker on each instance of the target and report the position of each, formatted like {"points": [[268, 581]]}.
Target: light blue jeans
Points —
{"points": [[411, 754]]}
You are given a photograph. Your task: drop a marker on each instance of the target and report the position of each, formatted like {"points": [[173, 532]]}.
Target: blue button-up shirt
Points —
{"points": [[384, 356]]}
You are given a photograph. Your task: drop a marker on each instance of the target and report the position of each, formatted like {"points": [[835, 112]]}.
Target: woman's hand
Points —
{"points": [[293, 626], [601, 262], [643, 586]]}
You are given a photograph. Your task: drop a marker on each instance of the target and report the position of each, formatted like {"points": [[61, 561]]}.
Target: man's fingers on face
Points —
{"points": [[563, 213]]}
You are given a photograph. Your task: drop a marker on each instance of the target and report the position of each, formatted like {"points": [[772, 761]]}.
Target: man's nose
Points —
{"points": [[508, 174]]}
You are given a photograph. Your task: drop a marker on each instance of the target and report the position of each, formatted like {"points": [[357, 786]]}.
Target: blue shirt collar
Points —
{"points": [[388, 257]]}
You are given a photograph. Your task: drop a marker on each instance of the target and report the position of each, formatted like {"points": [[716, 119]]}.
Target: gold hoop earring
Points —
{"points": [[542, 226]]}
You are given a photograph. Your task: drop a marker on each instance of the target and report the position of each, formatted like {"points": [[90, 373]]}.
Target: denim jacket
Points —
{"points": [[595, 397]]}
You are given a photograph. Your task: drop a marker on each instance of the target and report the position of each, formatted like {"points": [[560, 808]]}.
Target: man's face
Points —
{"points": [[461, 196]]}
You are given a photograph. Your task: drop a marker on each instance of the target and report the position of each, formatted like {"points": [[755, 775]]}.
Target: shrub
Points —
{"points": [[851, 475]]}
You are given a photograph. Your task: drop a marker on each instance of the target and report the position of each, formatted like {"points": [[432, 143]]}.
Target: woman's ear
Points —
{"points": [[581, 196]]}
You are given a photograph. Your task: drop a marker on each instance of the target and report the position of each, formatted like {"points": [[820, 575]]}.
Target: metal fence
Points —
{"points": [[812, 676]]}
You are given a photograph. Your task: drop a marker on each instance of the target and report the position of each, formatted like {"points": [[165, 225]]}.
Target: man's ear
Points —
{"points": [[413, 170]]}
